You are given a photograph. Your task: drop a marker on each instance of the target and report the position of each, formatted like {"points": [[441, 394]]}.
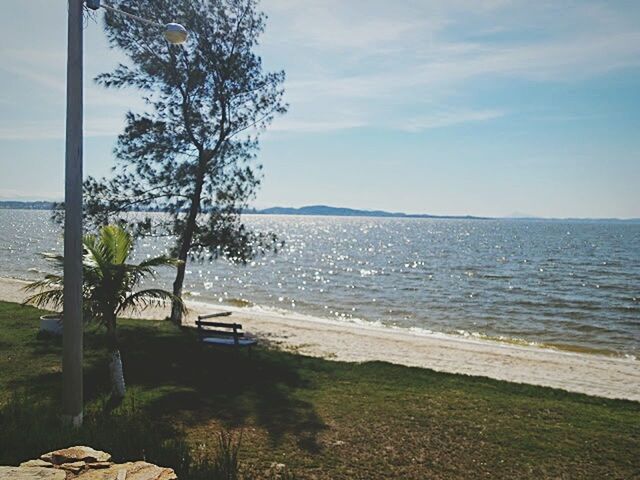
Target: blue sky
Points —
{"points": [[449, 107]]}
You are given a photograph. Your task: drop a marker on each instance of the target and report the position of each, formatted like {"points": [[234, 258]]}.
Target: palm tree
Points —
{"points": [[109, 288]]}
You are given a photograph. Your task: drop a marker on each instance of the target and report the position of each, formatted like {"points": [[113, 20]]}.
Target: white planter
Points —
{"points": [[51, 324], [119, 389]]}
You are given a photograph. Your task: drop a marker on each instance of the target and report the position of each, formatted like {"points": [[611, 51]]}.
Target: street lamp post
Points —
{"points": [[72, 343], [72, 308]]}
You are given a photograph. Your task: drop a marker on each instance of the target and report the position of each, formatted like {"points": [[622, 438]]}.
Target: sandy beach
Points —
{"points": [[598, 375]]}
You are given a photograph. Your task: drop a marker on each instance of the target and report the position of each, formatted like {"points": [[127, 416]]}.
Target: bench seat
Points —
{"points": [[242, 342]]}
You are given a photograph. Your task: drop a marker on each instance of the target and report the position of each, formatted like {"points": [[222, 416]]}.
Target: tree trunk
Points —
{"points": [[187, 239], [176, 311], [116, 370]]}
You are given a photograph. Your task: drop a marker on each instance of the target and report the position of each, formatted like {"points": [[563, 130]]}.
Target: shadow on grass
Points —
{"points": [[31, 427], [234, 387], [45, 383], [178, 381]]}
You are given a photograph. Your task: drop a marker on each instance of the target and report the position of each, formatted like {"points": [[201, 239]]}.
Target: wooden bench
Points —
{"points": [[224, 334]]}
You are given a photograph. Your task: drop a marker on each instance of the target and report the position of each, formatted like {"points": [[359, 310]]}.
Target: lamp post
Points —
{"points": [[72, 347]]}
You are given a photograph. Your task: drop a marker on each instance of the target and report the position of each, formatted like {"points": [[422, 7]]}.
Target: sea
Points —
{"points": [[568, 285]]}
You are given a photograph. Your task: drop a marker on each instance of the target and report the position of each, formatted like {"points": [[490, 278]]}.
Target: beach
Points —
{"points": [[591, 374]]}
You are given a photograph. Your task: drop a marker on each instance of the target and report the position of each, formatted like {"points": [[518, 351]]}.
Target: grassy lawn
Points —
{"points": [[323, 419]]}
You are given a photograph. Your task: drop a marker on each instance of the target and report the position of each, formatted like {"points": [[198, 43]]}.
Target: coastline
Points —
{"points": [[591, 374]]}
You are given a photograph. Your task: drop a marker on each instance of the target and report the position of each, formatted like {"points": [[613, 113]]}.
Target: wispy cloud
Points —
{"points": [[45, 72], [315, 126], [549, 61], [52, 130], [54, 85], [375, 59], [447, 119], [368, 63], [416, 124]]}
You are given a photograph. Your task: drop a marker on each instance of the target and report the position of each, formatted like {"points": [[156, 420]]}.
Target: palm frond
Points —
{"points": [[117, 243], [50, 281], [47, 298], [95, 256], [151, 297], [49, 292], [161, 261], [147, 268]]}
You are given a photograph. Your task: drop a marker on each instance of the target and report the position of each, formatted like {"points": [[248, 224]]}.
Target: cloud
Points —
{"points": [[447, 119], [52, 130], [440, 119], [374, 63], [329, 31], [44, 72], [375, 60], [54, 83], [551, 61], [315, 126]]}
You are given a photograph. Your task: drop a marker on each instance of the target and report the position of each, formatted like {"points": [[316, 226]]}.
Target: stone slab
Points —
{"points": [[31, 473], [75, 454]]}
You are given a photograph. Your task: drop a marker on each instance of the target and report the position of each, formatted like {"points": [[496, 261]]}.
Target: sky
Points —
{"points": [[452, 107]]}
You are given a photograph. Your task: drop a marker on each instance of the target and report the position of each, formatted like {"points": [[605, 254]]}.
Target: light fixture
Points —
{"points": [[175, 33]]}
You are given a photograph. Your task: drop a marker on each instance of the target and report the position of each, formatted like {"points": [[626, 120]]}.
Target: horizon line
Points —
{"points": [[361, 212]]}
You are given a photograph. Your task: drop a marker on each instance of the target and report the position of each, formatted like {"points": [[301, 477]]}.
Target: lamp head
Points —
{"points": [[175, 33]]}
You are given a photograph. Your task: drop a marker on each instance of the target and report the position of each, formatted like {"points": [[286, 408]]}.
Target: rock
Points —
{"points": [[129, 471], [76, 454], [73, 467], [31, 473], [37, 463], [84, 463]]}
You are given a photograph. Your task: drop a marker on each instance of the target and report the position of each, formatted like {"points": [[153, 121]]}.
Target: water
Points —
{"points": [[570, 285]]}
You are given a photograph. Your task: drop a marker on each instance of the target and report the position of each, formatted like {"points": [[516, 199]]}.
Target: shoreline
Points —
{"points": [[591, 374], [260, 310]]}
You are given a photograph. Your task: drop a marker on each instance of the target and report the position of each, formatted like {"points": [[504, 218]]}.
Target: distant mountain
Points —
{"points": [[15, 205], [324, 210], [327, 211], [318, 210]]}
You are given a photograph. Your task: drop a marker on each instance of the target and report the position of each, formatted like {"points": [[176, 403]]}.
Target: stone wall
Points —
{"points": [[84, 463]]}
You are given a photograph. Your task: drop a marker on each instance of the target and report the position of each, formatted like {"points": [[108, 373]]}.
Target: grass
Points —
{"points": [[320, 418]]}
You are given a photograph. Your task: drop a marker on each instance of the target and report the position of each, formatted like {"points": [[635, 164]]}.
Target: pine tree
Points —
{"points": [[192, 153]]}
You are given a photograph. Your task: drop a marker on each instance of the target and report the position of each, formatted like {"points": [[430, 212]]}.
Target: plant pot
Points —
{"points": [[51, 324]]}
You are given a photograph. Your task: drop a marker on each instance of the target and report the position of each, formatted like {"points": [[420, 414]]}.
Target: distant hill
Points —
{"points": [[319, 210], [327, 211], [15, 205], [324, 210]]}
